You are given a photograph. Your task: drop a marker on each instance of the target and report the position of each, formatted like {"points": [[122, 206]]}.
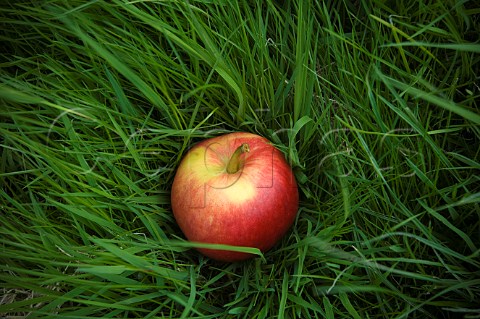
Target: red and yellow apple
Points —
{"points": [[236, 189]]}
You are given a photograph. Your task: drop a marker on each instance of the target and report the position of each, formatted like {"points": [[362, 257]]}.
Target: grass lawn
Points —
{"points": [[374, 103]]}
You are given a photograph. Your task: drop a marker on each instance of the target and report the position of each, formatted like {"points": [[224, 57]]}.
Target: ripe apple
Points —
{"points": [[235, 189]]}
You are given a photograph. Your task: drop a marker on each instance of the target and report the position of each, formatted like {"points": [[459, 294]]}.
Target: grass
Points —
{"points": [[374, 103]]}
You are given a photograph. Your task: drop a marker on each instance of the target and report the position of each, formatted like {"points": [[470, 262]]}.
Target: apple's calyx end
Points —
{"points": [[234, 163]]}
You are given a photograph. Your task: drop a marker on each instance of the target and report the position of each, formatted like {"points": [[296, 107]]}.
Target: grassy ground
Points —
{"points": [[375, 104]]}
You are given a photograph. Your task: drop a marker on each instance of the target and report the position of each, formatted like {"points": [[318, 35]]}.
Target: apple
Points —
{"points": [[236, 189]]}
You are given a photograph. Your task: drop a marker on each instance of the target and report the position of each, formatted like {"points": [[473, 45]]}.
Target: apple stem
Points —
{"points": [[233, 165]]}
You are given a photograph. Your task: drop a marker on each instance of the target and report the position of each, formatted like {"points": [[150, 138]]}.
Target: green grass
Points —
{"points": [[374, 103]]}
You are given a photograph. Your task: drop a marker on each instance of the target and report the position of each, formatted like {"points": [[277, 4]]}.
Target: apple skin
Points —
{"points": [[253, 207]]}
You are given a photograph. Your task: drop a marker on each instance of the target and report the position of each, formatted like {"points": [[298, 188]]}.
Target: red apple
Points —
{"points": [[236, 189]]}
